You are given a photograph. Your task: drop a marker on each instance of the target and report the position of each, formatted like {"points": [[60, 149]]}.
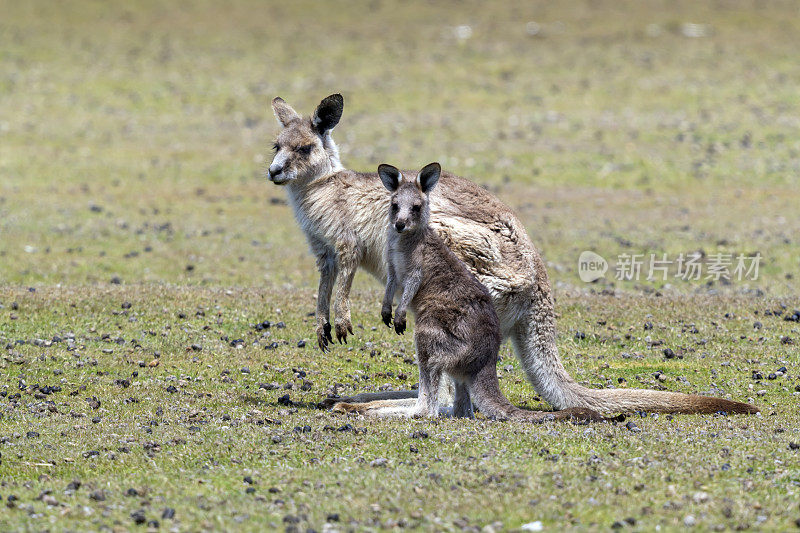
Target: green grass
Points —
{"points": [[133, 143]]}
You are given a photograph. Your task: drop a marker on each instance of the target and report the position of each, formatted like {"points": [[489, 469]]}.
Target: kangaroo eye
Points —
{"points": [[276, 147], [305, 150], [394, 206], [416, 208]]}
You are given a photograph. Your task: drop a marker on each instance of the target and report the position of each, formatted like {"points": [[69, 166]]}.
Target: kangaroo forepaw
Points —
{"points": [[400, 325], [324, 336], [386, 316], [342, 328]]}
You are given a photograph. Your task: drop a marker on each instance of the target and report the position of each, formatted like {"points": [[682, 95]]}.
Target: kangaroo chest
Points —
{"points": [[345, 221]]}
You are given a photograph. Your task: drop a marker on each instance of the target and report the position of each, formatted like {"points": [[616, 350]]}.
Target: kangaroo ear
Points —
{"points": [[328, 114], [284, 112], [390, 177], [428, 177]]}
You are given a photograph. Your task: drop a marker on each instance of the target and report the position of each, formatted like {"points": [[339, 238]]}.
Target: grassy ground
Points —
{"points": [[133, 142]]}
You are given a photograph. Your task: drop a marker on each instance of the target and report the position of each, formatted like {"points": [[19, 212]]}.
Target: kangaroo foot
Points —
{"points": [[352, 408], [328, 403]]}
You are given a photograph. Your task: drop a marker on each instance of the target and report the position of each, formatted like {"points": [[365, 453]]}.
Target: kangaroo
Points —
{"points": [[457, 331], [342, 214]]}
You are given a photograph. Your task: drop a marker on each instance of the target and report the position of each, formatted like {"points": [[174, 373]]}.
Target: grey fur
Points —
{"points": [[457, 331]]}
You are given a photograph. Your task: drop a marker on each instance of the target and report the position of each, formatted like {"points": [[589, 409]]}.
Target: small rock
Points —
{"points": [[668, 353], [380, 461], [532, 526], [98, 496], [285, 400], [794, 445], [689, 521], [633, 427], [138, 516], [168, 513]]}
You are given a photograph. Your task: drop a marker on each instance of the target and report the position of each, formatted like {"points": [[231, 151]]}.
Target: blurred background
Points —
{"points": [[134, 137]]}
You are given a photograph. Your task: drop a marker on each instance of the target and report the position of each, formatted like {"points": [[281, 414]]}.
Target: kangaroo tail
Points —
{"points": [[628, 400], [484, 391], [534, 341]]}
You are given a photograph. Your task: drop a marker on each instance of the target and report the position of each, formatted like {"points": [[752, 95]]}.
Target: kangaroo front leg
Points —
{"points": [[326, 263], [349, 257], [388, 297], [410, 287]]}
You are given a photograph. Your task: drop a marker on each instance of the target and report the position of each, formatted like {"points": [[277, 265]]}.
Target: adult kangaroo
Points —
{"points": [[343, 215]]}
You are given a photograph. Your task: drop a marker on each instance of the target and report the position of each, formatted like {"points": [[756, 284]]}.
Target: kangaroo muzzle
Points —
{"points": [[275, 170]]}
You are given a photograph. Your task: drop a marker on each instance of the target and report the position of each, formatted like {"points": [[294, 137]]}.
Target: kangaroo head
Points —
{"points": [[409, 207], [304, 149]]}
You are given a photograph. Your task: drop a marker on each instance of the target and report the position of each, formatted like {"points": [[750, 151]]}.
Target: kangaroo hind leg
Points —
{"points": [[462, 404]]}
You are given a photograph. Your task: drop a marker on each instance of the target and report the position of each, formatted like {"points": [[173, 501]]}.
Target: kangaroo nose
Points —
{"points": [[400, 226], [274, 170]]}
